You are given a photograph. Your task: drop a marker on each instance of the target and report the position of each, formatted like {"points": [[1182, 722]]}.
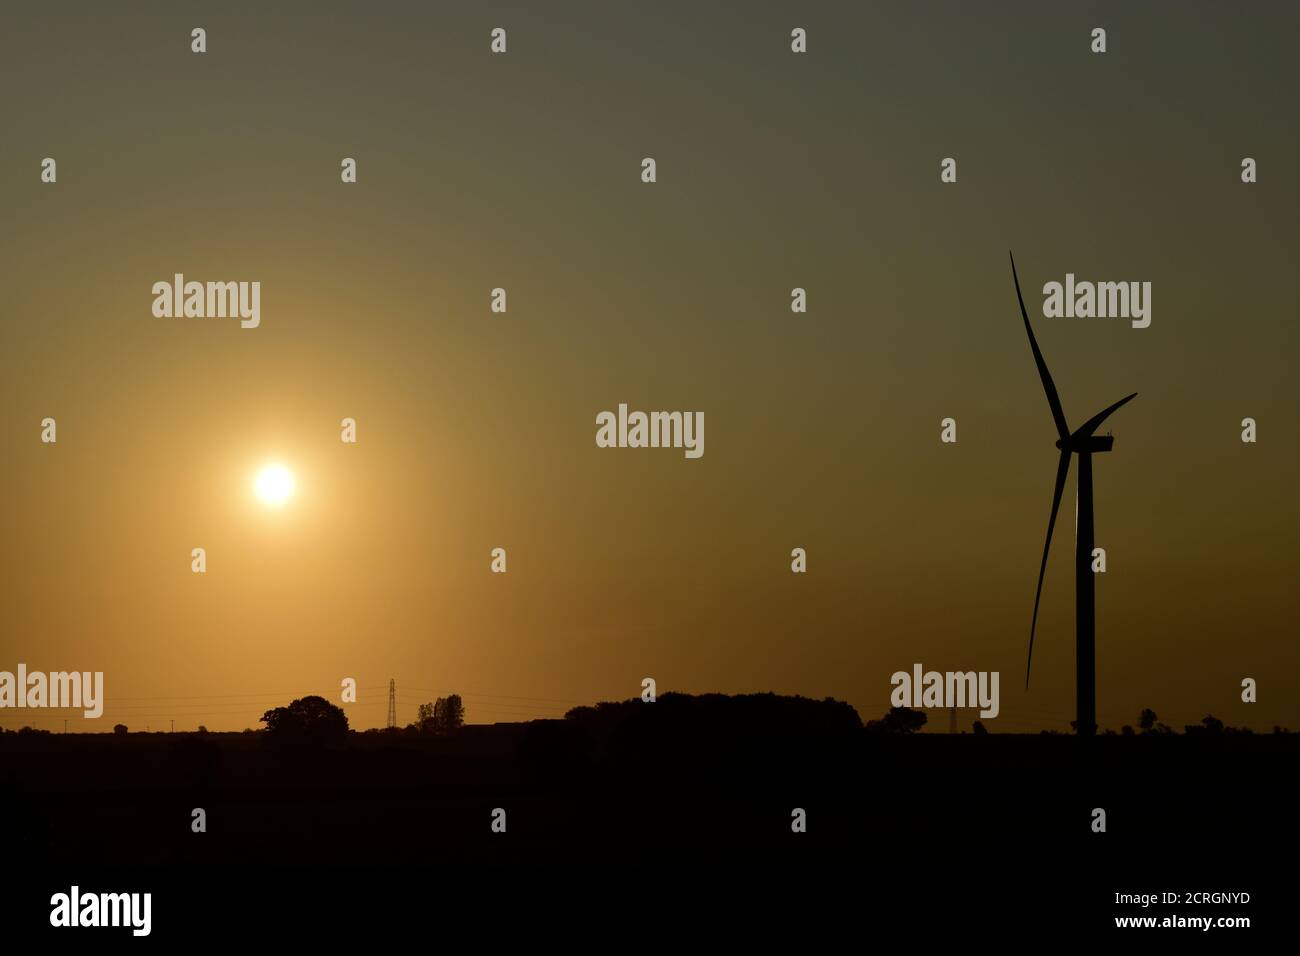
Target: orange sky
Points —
{"points": [[477, 430]]}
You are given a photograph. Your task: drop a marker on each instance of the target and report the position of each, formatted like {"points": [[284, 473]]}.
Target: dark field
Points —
{"points": [[997, 823]]}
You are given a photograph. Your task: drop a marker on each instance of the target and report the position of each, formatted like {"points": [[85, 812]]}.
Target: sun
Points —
{"points": [[274, 485]]}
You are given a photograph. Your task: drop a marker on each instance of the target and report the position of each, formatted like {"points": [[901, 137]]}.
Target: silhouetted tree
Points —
{"points": [[899, 720], [1147, 720], [979, 729], [202, 729], [700, 731], [441, 717], [424, 722], [1209, 725], [308, 721], [119, 729], [1126, 730], [448, 713]]}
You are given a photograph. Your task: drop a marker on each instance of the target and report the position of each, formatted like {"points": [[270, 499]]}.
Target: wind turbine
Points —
{"points": [[1085, 444]]}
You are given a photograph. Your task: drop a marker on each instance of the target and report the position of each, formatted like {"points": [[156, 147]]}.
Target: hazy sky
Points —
{"points": [[476, 430]]}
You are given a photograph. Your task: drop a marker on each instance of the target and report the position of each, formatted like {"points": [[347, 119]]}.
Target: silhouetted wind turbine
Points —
{"points": [[1085, 444]]}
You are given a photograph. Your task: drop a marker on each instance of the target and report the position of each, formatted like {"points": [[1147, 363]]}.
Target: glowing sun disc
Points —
{"points": [[274, 485]]}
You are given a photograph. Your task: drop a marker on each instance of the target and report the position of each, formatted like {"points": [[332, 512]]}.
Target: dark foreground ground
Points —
{"points": [[996, 828]]}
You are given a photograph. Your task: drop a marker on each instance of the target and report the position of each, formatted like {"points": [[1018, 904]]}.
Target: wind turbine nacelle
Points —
{"points": [[1089, 443]]}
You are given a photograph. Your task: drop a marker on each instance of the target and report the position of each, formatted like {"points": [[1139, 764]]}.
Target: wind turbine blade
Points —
{"points": [[1054, 400], [1062, 469], [1092, 424]]}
